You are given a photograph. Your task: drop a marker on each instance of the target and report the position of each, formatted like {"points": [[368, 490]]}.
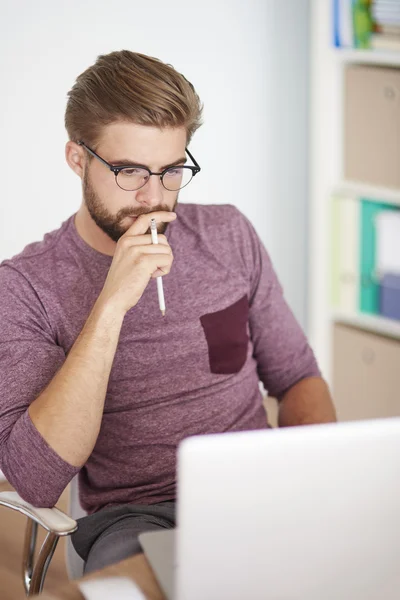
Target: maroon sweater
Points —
{"points": [[195, 371]]}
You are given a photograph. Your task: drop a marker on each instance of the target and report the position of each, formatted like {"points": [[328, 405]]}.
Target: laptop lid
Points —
{"points": [[306, 512]]}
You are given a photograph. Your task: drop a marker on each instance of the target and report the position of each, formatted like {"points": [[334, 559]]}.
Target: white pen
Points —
{"points": [[160, 289]]}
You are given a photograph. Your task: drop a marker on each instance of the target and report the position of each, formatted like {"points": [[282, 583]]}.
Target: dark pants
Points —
{"points": [[111, 535]]}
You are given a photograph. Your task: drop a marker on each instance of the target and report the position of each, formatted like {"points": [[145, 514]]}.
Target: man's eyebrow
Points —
{"points": [[127, 162]]}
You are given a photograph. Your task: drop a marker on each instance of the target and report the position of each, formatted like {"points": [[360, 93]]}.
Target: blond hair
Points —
{"points": [[131, 87]]}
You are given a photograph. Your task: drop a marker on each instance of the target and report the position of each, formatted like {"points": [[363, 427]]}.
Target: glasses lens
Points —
{"points": [[132, 178], [176, 178]]}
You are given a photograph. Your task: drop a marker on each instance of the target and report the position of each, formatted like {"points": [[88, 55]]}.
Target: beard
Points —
{"points": [[112, 224]]}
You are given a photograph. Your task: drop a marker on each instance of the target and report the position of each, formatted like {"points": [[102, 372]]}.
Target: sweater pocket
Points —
{"points": [[227, 337]]}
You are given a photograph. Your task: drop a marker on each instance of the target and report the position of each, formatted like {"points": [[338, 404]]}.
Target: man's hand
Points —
{"points": [[135, 262]]}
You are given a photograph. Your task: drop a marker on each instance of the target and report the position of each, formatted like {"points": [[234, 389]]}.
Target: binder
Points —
{"points": [[369, 280], [345, 254], [390, 296], [335, 260]]}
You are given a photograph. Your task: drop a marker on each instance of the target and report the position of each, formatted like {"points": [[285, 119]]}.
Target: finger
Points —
{"points": [[160, 265], [159, 273], [142, 223], [144, 240], [152, 249]]}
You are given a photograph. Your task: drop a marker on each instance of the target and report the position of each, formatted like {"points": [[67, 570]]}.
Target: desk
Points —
{"points": [[136, 568]]}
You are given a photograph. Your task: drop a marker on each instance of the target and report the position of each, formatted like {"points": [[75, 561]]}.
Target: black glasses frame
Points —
{"points": [[196, 169]]}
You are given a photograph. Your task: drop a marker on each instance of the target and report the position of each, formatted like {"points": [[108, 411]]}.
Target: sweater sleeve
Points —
{"points": [[281, 349], [29, 359]]}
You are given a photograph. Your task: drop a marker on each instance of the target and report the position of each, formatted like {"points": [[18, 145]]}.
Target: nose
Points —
{"points": [[152, 193]]}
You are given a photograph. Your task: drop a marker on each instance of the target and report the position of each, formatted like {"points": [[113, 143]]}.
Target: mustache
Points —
{"points": [[129, 212]]}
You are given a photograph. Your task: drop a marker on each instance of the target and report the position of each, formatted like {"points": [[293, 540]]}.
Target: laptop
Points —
{"points": [[301, 513]]}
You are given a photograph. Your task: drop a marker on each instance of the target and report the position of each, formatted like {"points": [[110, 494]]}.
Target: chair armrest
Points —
{"points": [[51, 519]]}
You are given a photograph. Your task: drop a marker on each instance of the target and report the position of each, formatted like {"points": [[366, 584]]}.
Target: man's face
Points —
{"points": [[114, 209]]}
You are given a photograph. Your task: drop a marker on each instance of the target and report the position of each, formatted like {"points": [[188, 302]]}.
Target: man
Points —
{"points": [[93, 378]]}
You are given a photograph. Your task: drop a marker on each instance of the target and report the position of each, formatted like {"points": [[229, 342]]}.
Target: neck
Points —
{"points": [[92, 234]]}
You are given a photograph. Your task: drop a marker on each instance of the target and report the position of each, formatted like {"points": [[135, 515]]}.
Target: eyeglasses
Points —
{"points": [[133, 177]]}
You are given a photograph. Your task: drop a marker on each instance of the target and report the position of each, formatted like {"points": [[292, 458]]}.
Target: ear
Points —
{"points": [[76, 158]]}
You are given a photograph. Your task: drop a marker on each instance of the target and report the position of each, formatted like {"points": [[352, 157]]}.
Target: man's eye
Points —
{"points": [[133, 171], [177, 172]]}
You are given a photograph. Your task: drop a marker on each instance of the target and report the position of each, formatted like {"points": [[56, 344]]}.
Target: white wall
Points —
{"points": [[247, 60]]}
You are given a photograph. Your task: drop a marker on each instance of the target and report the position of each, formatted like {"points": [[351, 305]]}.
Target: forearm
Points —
{"points": [[307, 402], [69, 411]]}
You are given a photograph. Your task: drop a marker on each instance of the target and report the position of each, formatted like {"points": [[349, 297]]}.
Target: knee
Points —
{"points": [[110, 549]]}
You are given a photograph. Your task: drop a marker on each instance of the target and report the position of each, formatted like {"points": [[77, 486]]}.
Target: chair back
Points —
{"points": [[73, 560]]}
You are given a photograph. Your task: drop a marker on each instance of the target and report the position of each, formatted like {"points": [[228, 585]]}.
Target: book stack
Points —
{"points": [[386, 18], [365, 257], [352, 23], [366, 24]]}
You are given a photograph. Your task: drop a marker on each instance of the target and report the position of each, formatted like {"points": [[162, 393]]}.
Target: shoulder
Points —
{"points": [[223, 229], [35, 257]]}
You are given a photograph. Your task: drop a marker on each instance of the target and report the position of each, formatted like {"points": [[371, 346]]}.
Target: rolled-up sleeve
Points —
{"points": [[281, 350], [29, 359]]}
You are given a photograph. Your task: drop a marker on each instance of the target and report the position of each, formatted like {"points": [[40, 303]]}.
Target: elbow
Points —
{"points": [[37, 498], [36, 472], [32, 490]]}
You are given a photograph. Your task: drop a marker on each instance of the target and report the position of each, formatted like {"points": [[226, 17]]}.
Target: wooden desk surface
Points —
{"points": [[136, 568]]}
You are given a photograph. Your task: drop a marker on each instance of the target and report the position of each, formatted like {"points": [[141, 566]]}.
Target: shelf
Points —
{"points": [[373, 57], [373, 323], [363, 190]]}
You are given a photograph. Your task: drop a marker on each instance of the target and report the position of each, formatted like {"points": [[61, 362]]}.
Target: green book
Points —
{"points": [[363, 24], [369, 284]]}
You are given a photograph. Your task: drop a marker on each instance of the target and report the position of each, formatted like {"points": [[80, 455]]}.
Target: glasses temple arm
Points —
{"points": [[192, 158]]}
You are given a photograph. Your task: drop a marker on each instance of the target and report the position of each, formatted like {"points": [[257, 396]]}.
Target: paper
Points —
{"points": [[111, 587], [388, 243]]}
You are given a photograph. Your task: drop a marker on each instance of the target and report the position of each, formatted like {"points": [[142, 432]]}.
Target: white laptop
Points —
{"points": [[304, 513]]}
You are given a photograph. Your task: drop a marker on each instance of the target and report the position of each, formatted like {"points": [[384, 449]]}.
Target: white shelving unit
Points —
{"points": [[373, 323], [390, 196], [371, 57], [326, 177]]}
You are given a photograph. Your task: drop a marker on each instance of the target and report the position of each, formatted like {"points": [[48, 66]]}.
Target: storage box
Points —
{"points": [[372, 125], [390, 296]]}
